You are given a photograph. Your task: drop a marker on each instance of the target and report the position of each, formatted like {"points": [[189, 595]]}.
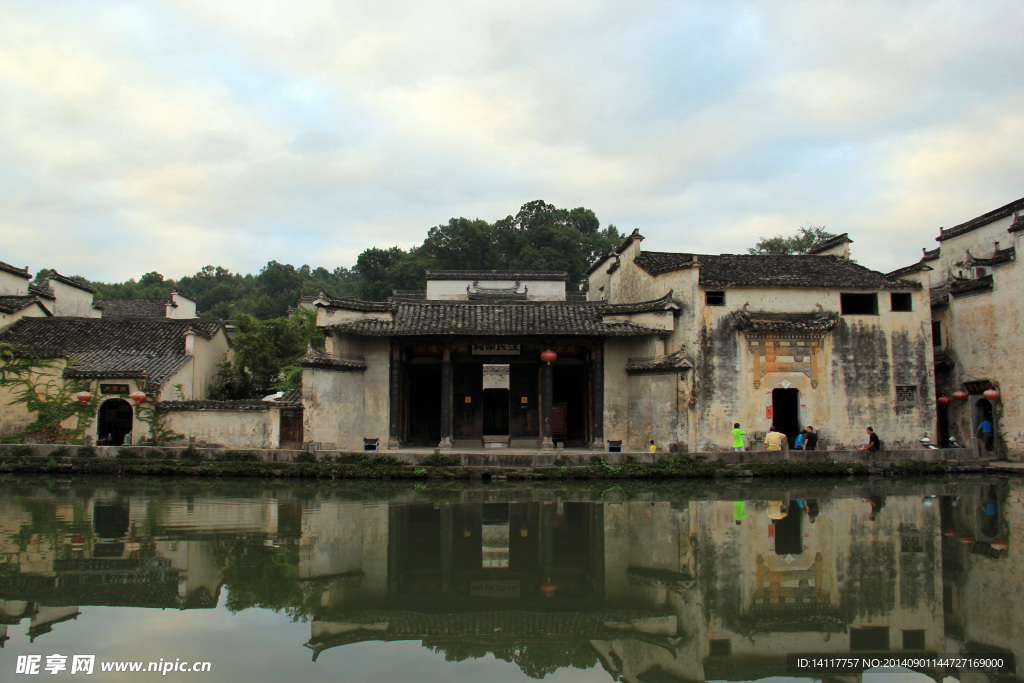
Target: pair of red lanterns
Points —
{"points": [[961, 395], [84, 397]]}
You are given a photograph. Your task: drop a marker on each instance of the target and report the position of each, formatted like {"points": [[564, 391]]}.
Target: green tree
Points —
{"points": [[806, 238], [263, 351]]}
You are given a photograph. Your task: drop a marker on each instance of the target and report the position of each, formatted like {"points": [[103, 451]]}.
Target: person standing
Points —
{"points": [[652, 447], [811, 439], [985, 430], [737, 437], [874, 443], [774, 439]]}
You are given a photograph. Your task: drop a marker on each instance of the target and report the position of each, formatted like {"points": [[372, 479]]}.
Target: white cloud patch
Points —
{"points": [[170, 135]]}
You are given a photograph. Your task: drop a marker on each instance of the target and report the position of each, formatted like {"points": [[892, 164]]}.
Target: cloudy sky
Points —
{"points": [[170, 134]]}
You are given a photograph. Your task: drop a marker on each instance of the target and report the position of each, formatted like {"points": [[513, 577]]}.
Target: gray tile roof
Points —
{"points": [[14, 270], [497, 275], [72, 283], [255, 404], [133, 308], [315, 358], [13, 304], [982, 220], [830, 243], [351, 303], [498, 320], [906, 270], [940, 295], [785, 322], [73, 336], [663, 304], [675, 362], [981, 285], [155, 368], [930, 254], [760, 270], [1000, 256]]}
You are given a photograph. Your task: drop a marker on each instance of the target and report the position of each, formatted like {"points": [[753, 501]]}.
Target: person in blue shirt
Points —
{"points": [[985, 431], [798, 445]]}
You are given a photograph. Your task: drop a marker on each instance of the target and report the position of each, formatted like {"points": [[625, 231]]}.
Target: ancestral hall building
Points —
{"points": [[669, 347]]}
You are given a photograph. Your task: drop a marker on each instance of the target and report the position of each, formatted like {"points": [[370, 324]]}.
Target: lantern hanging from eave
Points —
{"points": [[943, 401], [83, 397], [548, 356], [138, 397], [991, 394], [966, 539], [548, 588], [950, 532], [960, 395], [999, 544]]}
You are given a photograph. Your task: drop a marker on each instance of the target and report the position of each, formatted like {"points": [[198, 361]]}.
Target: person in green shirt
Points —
{"points": [[737, 437]]}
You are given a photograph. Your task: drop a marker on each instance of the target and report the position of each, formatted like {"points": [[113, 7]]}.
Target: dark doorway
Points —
{"points": [[110, 520], [943, 420], [114, 422], [423, 410], [570, 392], [496, 412], [789, 540], [786, 412], [982, 412], [291, 429]]}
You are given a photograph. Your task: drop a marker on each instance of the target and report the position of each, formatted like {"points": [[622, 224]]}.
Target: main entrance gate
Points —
{"points": [[494, 394]]}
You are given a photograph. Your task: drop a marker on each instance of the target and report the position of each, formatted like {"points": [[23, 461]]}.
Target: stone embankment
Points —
{"points": [[149, 460]]}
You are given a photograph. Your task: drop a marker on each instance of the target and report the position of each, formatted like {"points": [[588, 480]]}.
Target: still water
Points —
{"points": [[441, 582]]}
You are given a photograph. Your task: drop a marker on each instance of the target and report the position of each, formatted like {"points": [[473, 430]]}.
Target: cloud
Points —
{"points": [[170, 135]]}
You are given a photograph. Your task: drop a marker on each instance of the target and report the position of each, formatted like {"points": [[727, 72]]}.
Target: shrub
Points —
{"points": [[192, 454], [86, 452], [22, 451], [61, 452], [238, 456], [156, 454], [127, 454], [306, 457], [563, 461], [441, 460]]}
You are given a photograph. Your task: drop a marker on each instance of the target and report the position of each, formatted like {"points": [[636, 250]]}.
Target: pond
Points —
{"points": [[639, 582]]}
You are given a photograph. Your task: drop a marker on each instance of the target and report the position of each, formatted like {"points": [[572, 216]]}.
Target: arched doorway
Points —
{"points": [[114, 422]]}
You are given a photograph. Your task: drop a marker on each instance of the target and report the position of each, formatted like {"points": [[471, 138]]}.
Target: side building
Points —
{"points": [[791, 340], [976, 290]]}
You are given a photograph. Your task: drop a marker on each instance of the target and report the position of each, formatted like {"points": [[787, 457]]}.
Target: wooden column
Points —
{"points": [[547, 394], [597, 401], [395, 397], [446, 397]]}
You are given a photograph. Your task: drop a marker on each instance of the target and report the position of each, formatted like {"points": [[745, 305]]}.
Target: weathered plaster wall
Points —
{"points": [[31, 312], [13, 285], [183, 309], [232, 428], [72, 301], [343, 407], [455, 290], [983, 331], [206, 355]]}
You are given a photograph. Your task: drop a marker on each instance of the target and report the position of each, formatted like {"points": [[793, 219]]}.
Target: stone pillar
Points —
{"points": [[597, 401], [395, 398], [446, 397], [547, 396]]}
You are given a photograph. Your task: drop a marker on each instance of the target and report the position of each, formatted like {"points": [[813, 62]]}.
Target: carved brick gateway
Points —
{"points": [[785, 342]]}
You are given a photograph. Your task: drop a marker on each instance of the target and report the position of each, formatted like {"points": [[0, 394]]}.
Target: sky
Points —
{"points": [[168, 135]]}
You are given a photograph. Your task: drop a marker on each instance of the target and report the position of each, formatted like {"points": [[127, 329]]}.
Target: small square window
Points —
{"points": [[906, 393], [714, 298], [901, 301], [913, 640], [858, 304]]}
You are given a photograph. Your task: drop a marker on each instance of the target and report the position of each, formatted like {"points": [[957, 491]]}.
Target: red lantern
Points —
{"points": [[83, 397], [138, 397], [999, 544], [548, 588], [991, 394], [943, 401], [950, 532], [967, 539], [960, 395], [548, 356]]}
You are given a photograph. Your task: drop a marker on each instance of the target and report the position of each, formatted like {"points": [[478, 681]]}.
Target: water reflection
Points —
{"points": [[648, 586]]}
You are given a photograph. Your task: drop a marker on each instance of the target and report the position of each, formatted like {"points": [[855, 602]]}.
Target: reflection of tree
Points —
{"points": [[262, 576], [536, 660]]}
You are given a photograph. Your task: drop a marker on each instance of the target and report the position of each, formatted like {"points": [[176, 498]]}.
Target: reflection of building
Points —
{"points": [[651, 589]]}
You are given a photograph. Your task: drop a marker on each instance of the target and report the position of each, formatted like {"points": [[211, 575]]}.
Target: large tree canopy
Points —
{"points": [[805, 239]]}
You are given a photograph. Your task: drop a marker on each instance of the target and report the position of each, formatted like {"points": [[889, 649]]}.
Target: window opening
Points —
{"points": [[858, 304]]}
